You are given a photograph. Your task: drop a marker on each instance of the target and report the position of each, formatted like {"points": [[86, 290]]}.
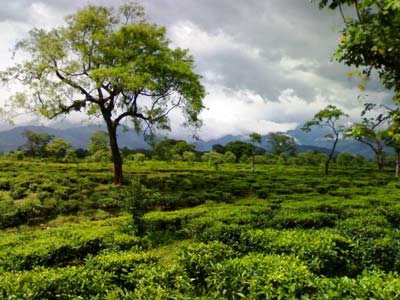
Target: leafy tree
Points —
{"points": [[310, 158], [239, 148], [392, 135], [58, 148], [36, 143], [109, 63], [328, 117], [213, 159], [282, 144], [371, 133], [370, 38], [229, 157], [349, 160], [218, 148], [98, 142], [255, 138], [70, 156], [81, 153], [162, 150], [189, 156], [182, 147], [139, 157]]}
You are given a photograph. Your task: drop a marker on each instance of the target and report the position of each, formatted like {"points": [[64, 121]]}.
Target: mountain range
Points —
{"points": [[79, 137]]}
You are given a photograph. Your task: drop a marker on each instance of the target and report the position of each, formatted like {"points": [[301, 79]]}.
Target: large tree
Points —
{"points": [[36, 143], [372, 132], [327, 118], [109, 63], [370, 37]]}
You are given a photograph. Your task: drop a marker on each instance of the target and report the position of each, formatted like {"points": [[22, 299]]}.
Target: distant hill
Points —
{"points": [[78, 136]]}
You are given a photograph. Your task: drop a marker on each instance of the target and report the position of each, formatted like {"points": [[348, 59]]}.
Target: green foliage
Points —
{"points": [[138, 200], [58, 148], [98, 142], [239, 148], [112, 59], [283, 232], [258, 276], [369, 38], [282, 144], [229, 157], [36, 143]]}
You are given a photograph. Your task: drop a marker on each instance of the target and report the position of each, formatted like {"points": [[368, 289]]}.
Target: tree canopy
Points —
{"points": [[109, 63], [328, 117], [370, 38]]}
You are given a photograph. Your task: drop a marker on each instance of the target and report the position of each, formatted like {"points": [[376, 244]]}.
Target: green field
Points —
{"points": [[282, 232]]}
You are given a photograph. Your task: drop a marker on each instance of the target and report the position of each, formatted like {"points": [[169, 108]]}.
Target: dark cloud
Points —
{"points": [[292, 28], [275, 49]]}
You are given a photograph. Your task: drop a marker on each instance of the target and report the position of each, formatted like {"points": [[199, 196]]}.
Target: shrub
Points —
{"points": [[198, 260], [258, 276]]}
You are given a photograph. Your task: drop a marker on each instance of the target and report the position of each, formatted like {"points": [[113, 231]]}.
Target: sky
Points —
{"points": [[266, 64]]}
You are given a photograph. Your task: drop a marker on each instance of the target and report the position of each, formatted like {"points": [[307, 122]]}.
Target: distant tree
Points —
{"points": [[370, 132], [166, 149], [81, 153], [181, 147], [311, 158], [213, 159], [347, 160], [139, 157], [255, 138], [110, 63], [282, 144], [36, 143], [70, 156], [327, 118], [98, 142], [189, 156], [58, 148], [229, 157], [244, 159], [239, 148], [218, 148]]}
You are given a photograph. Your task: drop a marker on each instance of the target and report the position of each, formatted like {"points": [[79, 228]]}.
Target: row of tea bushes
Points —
{"points": [[66, 244], [93, 280], [41, 192], [202, 271]]}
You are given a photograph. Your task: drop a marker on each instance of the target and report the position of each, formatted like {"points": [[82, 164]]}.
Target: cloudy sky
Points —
{"points": [[265, 63]]}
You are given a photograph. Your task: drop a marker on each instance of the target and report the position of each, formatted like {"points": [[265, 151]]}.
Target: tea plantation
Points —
{"points": [[282, 232]]}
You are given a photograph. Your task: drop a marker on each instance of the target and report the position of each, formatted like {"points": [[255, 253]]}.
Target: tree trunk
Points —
{"points": [[330, 155], [379, 159], [252, 162], [115, 153], [116, 157], [397, 162]]}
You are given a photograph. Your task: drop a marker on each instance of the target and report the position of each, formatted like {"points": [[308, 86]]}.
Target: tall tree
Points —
{"points": [[109, 63], [327, 118], [370, 38], [255, 138], [392, 135], [371, 132], [239, 148], [282, 144], [36, 143]]}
